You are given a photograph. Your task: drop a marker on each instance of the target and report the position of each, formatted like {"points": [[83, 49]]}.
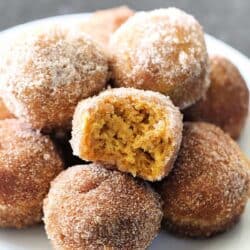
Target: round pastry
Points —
{"points": [[162, 50], [90, 207], [28, 162], [101, 24], [131, 130], [4, 112], [208, 188], [47, 72], [226, 101]]}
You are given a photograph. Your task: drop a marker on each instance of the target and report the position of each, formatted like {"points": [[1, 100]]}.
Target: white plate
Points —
{"points": [[237, 238]]}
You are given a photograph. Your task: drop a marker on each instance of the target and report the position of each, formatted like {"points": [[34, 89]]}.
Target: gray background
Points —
{"points": [[228, 20]]}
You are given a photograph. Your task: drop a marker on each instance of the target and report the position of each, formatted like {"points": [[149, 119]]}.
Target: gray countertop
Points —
{"points": [[227, 20]]}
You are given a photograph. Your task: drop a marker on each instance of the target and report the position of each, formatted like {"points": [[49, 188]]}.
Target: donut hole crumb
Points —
{"points": [[131, 132]]}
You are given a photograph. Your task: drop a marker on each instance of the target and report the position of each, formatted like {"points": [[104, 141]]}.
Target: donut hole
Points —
{"points": [[131, 134]]}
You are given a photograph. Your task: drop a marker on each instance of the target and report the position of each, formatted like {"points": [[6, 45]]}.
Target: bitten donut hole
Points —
{"points": [[132, 134]]}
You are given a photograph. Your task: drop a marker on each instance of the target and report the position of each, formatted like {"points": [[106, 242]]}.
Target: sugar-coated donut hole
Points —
{"points": [[162, 50], [111, 19], [226, 103], [46, 72], [134, 131], [29, 161], [101, 209], [207, 191]]}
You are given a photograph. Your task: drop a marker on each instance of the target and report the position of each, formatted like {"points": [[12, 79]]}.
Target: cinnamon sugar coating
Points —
{"points": [[226, 102], [207, 190], [28, 162], [90, 207], [162, 50], [102, 23], [4, 112], [47, 71]]}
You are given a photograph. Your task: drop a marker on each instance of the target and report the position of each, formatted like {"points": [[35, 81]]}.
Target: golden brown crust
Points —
{"points": [[46, 73], [163, 50], [226, 103], [80, 133], [28, 162], [90, 207], [4, 112], [207, 190], [102, 23]]}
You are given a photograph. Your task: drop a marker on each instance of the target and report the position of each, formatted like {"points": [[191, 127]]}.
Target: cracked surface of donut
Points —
{"points": [[133, 130]]}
